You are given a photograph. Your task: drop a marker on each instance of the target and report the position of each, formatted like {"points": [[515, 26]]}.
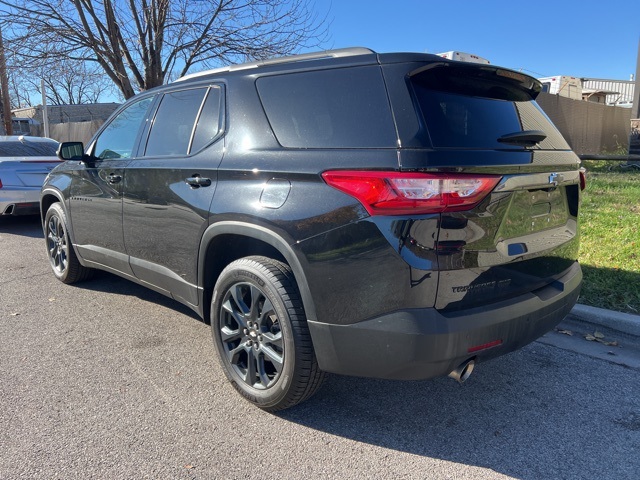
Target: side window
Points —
{"points": [[338, 108], [208, 125], [117, 140], [174, 122]]}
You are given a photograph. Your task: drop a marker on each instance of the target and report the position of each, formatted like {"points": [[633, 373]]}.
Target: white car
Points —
{"points": [[24, 164]]}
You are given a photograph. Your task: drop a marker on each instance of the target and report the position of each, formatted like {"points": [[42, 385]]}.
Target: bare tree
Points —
{"points": [[71, 83], [142, 43], [18, 94]]}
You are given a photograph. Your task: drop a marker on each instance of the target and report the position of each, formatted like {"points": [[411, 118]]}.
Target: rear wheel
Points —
{"points": [[62, 257], [261, 334]]}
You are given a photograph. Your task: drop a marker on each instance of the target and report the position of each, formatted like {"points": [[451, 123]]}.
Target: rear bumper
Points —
{"points": [[424, 343], [19, 200]]}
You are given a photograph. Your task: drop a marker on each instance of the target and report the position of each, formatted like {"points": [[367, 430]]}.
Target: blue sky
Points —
{"points": [[543, 38]]}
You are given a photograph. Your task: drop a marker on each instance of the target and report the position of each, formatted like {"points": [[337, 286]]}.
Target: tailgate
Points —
{"points": [[524, 235], [522, 239]]}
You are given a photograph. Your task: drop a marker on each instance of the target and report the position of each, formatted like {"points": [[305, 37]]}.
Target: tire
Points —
{"points": [[261, 334], [62, 257]]}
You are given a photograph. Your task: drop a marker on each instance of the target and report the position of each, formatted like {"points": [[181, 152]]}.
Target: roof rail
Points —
{"points": [[341, 52]]}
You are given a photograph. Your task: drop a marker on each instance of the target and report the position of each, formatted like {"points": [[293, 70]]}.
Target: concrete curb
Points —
{"points": [[598, 318]]}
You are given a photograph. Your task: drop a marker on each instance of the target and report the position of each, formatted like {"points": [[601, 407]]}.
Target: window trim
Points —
{"points": [[221, 117]]}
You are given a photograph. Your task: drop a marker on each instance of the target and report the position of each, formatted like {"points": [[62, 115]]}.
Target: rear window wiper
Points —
{"points": [[526, 138]]}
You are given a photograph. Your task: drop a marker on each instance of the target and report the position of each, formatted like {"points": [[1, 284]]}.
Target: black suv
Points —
{"points": [[398, 216]]}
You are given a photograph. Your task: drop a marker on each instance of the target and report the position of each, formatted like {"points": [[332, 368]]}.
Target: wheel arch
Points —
{"points": [[226, 241], [48, 197]]}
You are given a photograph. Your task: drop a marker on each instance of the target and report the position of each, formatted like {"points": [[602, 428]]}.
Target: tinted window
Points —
{"points": [[28, 149], [208, 125], [534, 118], [469, 108], [173, 124], [461, 121], [118, 138], [329, 109]]}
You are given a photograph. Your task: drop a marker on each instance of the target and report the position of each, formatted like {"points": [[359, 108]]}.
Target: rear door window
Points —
{"points": [[173, 123], [209, 124], [186, 121], [338, 108]]}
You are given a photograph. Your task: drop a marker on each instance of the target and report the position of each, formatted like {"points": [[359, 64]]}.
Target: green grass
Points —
{"points": [[610, 237]]}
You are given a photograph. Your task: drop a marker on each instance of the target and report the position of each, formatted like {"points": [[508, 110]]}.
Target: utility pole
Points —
{"points": [[45, 112], [4, 91], [634, 139], [635, 113]]}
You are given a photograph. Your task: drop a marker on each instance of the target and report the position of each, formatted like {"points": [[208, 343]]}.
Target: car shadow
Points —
{"points": [[30, 226], [522, 415], [110, 283], [26, 226]]}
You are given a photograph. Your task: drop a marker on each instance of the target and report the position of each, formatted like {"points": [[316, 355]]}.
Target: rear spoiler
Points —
{"points": [[487, 79]]}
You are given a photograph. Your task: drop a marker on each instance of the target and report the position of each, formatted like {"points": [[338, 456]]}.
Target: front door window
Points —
{"points": [[119, 138]]}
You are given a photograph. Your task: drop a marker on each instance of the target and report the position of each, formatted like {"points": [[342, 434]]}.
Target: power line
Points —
{"points": [[537, 74]]}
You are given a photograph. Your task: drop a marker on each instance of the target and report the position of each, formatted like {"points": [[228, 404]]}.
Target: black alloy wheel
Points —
{"points": [[62, 257], [251, 335], [261, 334]]}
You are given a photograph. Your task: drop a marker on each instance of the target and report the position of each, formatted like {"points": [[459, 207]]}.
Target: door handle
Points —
{"points": [[114, 178], [197, 181]]}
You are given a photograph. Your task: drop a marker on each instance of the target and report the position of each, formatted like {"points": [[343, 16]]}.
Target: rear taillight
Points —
{"points": [[399, 193], [583, 179], [0, 183]]}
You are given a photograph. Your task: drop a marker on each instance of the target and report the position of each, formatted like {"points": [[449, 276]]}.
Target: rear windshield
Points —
{"points": [[28, 149], [339, 108], [466, 107]]}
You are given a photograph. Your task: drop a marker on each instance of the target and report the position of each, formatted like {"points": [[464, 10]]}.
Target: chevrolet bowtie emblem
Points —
{"points": [[554, 178]]}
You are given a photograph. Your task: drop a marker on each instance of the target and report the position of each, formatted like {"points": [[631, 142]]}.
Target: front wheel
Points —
{"points": [[261, 334], [62, 257]]}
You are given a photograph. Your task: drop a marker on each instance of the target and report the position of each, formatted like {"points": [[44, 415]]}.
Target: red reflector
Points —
{"points": [[484, 346], [583, 179], [402, 193]]}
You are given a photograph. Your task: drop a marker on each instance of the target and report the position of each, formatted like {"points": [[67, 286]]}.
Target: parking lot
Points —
{"points": [[110, 380]]}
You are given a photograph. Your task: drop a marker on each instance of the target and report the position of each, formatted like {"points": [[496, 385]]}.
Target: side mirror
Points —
{"points": [[71, 151]]}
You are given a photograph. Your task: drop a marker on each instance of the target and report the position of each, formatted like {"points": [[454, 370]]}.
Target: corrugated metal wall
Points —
{"points": [[590, 128], [624, 87]]}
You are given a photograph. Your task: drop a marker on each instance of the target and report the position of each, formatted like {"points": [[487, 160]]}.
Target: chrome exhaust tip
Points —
{"points": [[463, 371], [9, 210]]}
